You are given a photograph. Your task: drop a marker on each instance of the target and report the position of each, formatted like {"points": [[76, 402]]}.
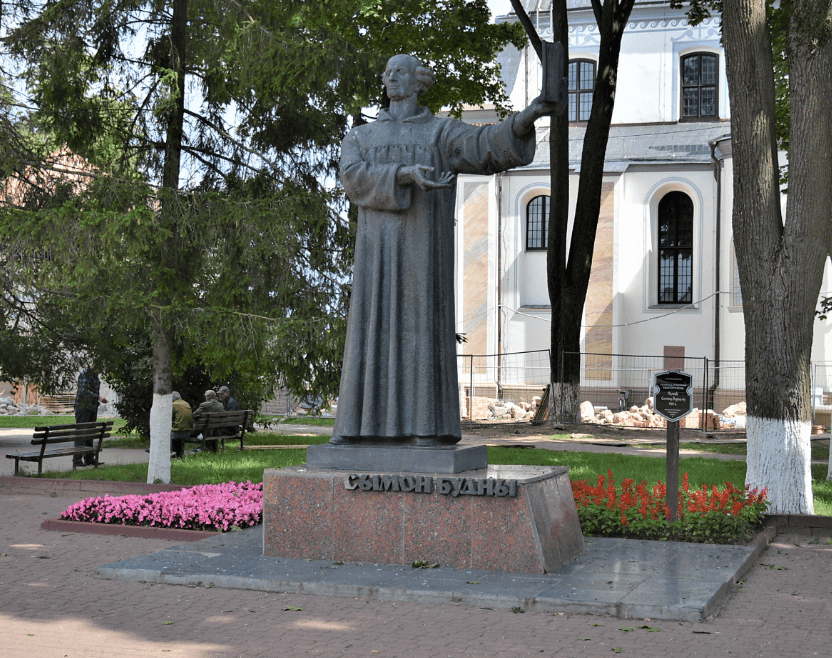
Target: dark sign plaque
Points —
{"points": [[672, 394]]}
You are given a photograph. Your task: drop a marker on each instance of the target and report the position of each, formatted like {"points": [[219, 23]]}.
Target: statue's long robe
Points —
{"points": [[399, 378]]}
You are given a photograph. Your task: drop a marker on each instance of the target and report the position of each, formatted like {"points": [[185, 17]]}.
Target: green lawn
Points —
{"points": [[24, 422], [203, 468], [820, 449], [249, 465], [309, 420], [269, 439]]}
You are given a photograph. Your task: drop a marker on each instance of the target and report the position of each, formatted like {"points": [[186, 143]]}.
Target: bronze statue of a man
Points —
{"points": [[399, 380]]}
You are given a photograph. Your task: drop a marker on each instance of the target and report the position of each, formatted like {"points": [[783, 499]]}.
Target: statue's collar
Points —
{"points": [[422, 115]]}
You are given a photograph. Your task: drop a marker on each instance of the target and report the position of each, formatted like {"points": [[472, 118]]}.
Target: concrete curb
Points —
{"points": [[145, 532], [801, 524], [28, 485]]}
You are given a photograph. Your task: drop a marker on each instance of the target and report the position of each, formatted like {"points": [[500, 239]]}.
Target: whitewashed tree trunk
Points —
{"points": [[158, 468], [780, 263], [779, 458]]}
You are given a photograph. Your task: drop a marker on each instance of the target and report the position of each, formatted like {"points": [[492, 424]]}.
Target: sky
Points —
{"points": [[499, 7]]}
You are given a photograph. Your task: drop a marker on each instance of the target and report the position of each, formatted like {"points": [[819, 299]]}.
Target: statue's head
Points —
{"points": [[405, 75]]}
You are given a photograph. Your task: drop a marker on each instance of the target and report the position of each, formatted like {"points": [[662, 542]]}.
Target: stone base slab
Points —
{"points": [[311, 514], [146, 532], [388, 459]]}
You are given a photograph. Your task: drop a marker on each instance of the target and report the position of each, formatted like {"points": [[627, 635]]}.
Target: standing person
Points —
{"points": [[210, 405], [182, 422], [85, 406], [399, 378], [228, 403]]}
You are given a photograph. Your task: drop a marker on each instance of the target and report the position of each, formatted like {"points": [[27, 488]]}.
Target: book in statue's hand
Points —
{"points": [[554, 84]]}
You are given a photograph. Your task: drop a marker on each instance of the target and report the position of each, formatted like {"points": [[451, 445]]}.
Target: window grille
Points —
{"points": [[581, 85], [676, 249], [537, 223], [700, 72]]}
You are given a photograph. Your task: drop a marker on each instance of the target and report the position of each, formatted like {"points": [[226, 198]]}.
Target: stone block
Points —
{"points": [[388, 458], [501, 518]]}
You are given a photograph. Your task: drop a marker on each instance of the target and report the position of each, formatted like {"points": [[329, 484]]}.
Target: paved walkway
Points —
{"points": [[51, 604]]}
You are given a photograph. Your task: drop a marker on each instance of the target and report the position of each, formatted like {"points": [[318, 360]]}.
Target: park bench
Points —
{"points": [[50, 435], [221, 425]]}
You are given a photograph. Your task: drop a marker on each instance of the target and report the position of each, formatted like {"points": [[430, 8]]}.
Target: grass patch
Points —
{"points": [[26, 422], [822, 488], [203, 468], [269, 439], [720, 448], [589, 465], [309, 420]]}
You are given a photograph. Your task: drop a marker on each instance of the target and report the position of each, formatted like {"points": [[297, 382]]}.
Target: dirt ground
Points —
{"points": [[500, 429]]}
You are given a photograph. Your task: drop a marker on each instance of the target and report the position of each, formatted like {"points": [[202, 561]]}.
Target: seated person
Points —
{"points": [[182, 423], [210, 405], [229, 404]]}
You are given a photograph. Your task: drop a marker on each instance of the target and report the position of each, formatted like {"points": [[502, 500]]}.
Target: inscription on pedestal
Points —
{"points": [[446, 486]]}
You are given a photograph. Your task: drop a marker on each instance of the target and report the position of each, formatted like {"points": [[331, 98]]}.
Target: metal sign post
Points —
{"points": [[672, 400]]}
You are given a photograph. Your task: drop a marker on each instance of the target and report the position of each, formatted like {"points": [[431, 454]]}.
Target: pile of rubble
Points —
{"points": [[734, 417], [496, 409], [9, 407]]}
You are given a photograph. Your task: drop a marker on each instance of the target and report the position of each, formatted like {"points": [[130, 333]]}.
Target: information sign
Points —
{"points": [[672, 394]]}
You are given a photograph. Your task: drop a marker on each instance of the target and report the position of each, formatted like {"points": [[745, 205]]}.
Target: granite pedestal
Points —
{"points": [[392, 458], [500, 518]]}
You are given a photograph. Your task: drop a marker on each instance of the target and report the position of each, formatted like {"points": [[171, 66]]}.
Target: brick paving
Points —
{"points": [[51, 604]]}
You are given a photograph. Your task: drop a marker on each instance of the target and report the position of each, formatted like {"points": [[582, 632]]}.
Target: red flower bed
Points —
{"points": [[706, 514]]}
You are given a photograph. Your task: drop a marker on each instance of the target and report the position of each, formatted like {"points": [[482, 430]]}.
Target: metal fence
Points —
{"points": [[822, 394], [488, 382], [622, 383]]}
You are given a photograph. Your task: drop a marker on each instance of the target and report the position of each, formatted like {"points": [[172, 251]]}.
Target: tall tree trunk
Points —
{"points": [[160, 413], [612, 18], [562, 398], [780, 266], [568, 279]]}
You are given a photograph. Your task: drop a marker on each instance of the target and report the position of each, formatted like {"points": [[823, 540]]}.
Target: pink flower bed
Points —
{"points": [[204, 507]]}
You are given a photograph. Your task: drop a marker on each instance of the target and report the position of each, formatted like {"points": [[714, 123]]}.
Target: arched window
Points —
{"points": [[581, 86], [675, 249], [699, 86], [537, 223]]}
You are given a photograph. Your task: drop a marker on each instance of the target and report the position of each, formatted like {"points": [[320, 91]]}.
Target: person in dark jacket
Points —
{"points": [[85, 406], [211, 404], [228, 403]]}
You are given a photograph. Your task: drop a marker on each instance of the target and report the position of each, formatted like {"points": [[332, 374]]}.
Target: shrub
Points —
{"points": [[704, 515]]}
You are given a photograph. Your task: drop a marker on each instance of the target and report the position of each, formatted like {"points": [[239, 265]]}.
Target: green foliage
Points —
{"points": [[252, 263]]}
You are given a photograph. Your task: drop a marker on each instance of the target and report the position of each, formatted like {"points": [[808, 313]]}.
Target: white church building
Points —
{"points": [[664, 277]]}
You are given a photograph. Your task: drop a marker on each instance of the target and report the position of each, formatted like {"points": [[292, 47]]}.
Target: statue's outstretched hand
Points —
{"points": [[524, 122], [418, 174]]}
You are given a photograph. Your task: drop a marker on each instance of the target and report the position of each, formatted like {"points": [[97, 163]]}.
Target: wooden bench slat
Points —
{"points": [[74, 426], [67, 436], [66, 439]]}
